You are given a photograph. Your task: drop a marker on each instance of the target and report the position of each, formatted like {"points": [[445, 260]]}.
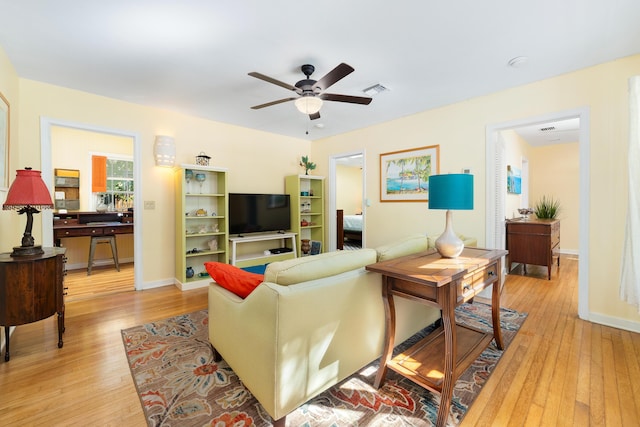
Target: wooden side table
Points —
{"points": [[437, 361], [31, 289]]}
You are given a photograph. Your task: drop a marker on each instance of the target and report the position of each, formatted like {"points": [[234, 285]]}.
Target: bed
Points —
{"points": [[348, 227]]}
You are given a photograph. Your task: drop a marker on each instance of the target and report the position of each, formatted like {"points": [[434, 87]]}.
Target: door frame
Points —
{"points": [[333, 226], [46, 162], [491, 137]]}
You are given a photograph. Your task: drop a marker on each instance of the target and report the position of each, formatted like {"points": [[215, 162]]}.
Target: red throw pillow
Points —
{"points": [[233, 279]]}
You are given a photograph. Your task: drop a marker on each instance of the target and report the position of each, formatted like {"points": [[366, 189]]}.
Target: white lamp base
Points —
{"points": [[448, 244]]}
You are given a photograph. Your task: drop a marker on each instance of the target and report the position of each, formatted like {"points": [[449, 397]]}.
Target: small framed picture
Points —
{"points": [[316, 247]]}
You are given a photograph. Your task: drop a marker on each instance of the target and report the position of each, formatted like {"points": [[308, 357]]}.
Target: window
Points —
{"points": [[119, 194]]}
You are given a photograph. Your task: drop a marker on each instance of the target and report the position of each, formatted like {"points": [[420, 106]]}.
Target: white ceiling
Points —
{"points": [[193, 56]]}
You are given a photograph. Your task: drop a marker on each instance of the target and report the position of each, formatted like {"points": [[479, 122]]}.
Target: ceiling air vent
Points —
{"points": [[375, 89], [547, 128]]}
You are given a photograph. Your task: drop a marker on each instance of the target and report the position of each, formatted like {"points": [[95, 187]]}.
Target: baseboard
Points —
{"points": [[614, 322], [195, 284]]}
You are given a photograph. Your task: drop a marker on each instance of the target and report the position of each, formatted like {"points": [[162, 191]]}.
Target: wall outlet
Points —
{"points": [[149, 204]]}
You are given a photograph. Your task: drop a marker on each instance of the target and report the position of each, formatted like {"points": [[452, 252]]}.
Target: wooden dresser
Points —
{"points": [[31, 289], [533, 241]]}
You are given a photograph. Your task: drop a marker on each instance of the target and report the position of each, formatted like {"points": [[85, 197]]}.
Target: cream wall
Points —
{"points": [[515, 150], [272, 156], [460, 131], [349, 193], [11, 225], [554, 171]]}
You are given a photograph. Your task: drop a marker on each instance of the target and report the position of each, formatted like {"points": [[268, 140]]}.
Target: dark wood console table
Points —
{"points": [[31, 289], [533, 241], [439, 359], [79, 224]]}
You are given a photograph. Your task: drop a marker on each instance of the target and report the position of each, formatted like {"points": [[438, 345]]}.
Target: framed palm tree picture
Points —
{"points": [[404, 175]]}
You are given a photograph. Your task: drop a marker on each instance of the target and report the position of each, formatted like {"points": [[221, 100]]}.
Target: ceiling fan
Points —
{"points": [[311, 92]]}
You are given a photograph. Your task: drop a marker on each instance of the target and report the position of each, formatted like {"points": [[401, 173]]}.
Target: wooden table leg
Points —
{"points": [[495, 310], [7, 355], [446, 299], [389, 331]]}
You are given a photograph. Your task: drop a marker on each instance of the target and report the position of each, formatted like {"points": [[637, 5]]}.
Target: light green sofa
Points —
{"points": [[313, 322]]}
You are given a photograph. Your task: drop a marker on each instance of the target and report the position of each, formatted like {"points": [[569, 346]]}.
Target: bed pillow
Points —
{"points": [[233, 279]]}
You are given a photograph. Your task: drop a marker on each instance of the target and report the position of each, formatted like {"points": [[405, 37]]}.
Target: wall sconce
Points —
{"points": [[452, 191], [27, 194], [164, 151]]}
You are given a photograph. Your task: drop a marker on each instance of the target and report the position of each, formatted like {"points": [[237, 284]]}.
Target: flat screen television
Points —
{"points": [[258, 213]]}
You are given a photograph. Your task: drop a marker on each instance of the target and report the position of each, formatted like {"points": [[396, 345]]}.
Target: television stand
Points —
{"points": [[262, 257]]}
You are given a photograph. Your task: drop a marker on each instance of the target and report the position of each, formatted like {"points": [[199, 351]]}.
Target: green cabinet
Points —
{"points": [[307, 211], [202, 222]]}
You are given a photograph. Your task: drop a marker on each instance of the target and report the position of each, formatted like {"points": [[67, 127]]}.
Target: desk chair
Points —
{"points": [[95, 240]]}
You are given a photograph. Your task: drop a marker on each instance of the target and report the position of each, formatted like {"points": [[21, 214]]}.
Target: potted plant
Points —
{"points": [[307, 165], [547, 208]]}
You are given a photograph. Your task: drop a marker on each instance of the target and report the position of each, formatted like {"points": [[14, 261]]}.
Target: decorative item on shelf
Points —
{"points": [[307, 165], [304, 193], [164, 151], [452, 191], [304, 223], [213, 244], [216, 228], [188, 176], [27, 194], [202, 159], [305, 246], [201, 212], [525, 212], [203, 229], [547, 208], [189, 273], [203, 274], [201, 178], [316, 247]]}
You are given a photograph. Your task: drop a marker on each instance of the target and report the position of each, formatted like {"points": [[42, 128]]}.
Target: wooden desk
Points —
{"points": [[31, 289], [79, 224], [439, 359], [533, 241]]}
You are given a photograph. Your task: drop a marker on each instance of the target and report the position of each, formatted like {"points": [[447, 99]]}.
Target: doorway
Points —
{"points": [[495, 197], [347, 178], [46, 126]]}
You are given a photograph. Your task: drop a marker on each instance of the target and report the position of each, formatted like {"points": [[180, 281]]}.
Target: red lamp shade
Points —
{"points": [[27, 194], [28, 189]]}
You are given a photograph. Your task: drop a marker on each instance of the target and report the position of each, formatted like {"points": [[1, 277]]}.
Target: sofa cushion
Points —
{"points": [[232, 278], [406, 246], [307, 268]]}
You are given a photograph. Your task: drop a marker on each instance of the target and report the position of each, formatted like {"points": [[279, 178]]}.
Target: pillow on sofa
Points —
{"points": [[407, 246], [233, 279]]}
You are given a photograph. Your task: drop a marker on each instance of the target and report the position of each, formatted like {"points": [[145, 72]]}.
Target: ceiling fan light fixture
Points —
{"points": [[308, 104]]}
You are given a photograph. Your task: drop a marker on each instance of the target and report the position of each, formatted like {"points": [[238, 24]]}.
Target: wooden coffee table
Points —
{"points": [[437, 361]]}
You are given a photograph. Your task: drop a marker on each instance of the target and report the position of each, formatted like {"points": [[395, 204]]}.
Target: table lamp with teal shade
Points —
{"points": [[450, 192]]}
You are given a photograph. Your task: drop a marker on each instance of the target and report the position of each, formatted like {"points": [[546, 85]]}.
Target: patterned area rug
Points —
{"points": [[179, 384]]}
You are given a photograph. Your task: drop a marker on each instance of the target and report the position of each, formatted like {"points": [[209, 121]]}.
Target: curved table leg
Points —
{"points": [[7, 355], [389, 331]]}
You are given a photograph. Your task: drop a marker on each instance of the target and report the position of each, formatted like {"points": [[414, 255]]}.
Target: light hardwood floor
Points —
{"points": [[559, 370]]}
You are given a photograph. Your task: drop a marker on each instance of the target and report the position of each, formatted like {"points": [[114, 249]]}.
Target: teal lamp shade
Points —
{"points": [[450, 192]]}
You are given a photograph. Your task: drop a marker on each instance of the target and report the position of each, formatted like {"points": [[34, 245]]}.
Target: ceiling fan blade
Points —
{"points": [[272, 80], [314, 116], [269, 104], [340, 72], [364, 100]]}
